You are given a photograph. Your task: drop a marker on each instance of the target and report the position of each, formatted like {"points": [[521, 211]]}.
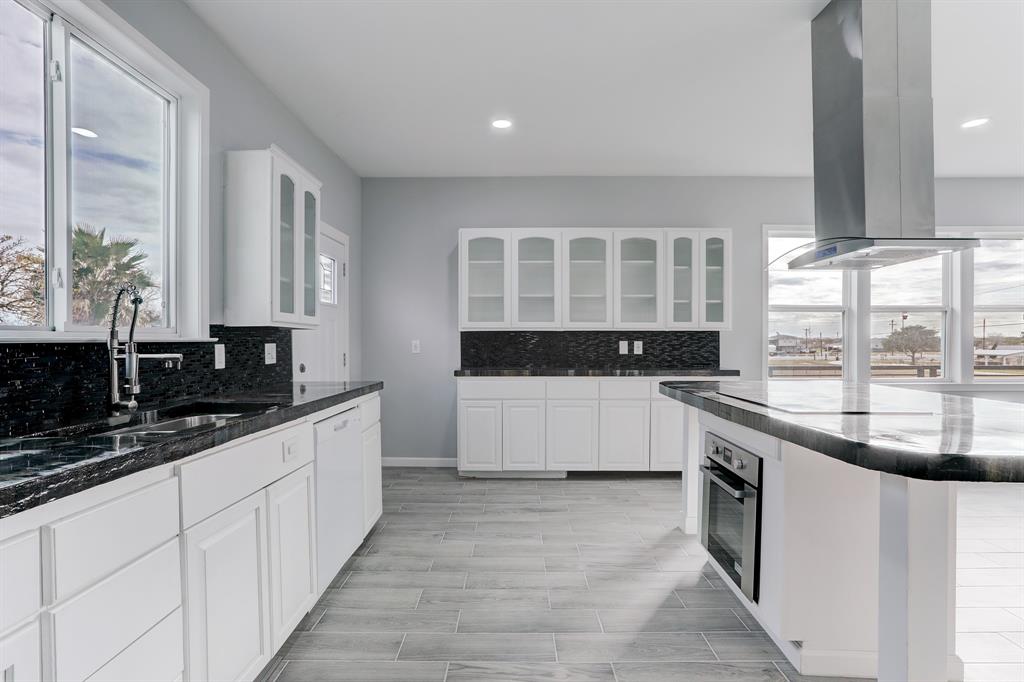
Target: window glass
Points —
{"points": [[799, 287], [805, 344], [999, 344], [328, 267], [918, 282], [22, 167], [906, 345], [999, 273], [118, 177]]}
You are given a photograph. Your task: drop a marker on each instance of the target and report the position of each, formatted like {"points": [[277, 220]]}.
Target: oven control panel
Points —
{"points": [[744, 463]]}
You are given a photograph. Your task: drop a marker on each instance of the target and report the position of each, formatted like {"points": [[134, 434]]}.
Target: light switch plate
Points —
{"points": [[218, 356], [415, 346], [623, 347], [638, 348], [270, 354]]}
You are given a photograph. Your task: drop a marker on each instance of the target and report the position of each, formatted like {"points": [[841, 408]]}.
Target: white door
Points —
{"points": [[228, 620], [20, 656], [625, 435], [667, 442], [373, 489], [522, 438], [480, 435], [291, 510], [572, 435], [321, 353]]}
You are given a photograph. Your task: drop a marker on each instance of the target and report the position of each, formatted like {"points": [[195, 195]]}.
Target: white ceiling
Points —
{"points": [[600, 87]]}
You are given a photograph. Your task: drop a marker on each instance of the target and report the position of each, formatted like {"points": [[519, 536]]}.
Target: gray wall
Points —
{"points": [[410, 266], [244, 114]]}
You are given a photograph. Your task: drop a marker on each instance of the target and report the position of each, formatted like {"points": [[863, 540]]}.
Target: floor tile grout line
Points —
{"points": [[708, 642], [399, 652], [781, 671]]}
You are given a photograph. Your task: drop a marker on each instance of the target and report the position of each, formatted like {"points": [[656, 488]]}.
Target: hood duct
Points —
{"points": [[874, 171]]}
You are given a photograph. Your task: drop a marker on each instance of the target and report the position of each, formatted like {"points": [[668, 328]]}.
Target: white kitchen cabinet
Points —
{"points": [[572, 435], [21, 584], [667, 435], [522, 435], [157, 656], [228, 622], [639, 264], [587, 279], [373, 492], [682, 281], [484, 279], [536, 278], [625, 440], [716, 279], [272, 240], [20, 655], [480, 435], [291, 515]]}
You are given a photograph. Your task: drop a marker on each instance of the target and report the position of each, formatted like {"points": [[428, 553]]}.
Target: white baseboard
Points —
{"points": [[418, 462]]}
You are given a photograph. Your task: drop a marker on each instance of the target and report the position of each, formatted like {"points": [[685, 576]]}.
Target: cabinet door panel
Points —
{"points": [[572, 435], [667, 443], [536, 278], [284, 289], [21, 587], [20, 655], [484, 279], [308, 239], [638, 279], [716, 279], [228, 624], [625, 435], [587, 279], [373, 486], [682, 281], [157, 656], [291, 509], [480, 435], [523, 441]]}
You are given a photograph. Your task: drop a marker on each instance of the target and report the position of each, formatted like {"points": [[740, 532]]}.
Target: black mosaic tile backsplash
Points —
{"points": [[592, 349], [44, 385]]}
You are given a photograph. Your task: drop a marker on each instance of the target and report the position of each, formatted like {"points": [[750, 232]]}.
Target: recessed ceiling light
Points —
{"points": [[974, 123], [84, 132], [501, 123]]}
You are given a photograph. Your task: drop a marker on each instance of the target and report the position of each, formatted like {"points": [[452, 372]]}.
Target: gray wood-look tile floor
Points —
{"points": [[583, 579]]}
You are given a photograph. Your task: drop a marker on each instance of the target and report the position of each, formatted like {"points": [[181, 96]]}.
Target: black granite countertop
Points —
{"points": [[39, 468], [594, 372], [918, 434]]}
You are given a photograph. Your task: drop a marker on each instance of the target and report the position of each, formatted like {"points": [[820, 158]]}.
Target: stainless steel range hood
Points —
{"points": [[874, 171]]}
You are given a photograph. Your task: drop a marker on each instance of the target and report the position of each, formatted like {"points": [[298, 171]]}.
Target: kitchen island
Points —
{"points": [[857, 538]]}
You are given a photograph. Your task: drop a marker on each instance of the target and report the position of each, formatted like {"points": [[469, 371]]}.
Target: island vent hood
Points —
{"points": [[874, 168]]}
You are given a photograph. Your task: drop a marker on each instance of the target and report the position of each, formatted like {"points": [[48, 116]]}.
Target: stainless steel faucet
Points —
{"points": [[129, 353]]}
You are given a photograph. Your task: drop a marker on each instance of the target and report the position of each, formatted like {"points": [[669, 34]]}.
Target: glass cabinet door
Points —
{"points": [[536, 282], [286, 245], [683, 282], [588, 281], [715, 266], [485, 280], [638, 275], [309, 253]]}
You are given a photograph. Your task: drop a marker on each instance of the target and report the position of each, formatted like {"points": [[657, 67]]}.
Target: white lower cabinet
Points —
{"points": [[20, 655], [157, 656], [522, 435], [667, 430], [373, 489], [625, 442], [480, 435], [572, 435], [227, 593], [291, 513]]}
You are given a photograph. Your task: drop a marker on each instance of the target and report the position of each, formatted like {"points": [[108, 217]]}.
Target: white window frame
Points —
{"points": [[187, 283]]}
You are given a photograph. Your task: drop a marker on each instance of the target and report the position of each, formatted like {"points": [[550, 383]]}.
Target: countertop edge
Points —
{"points": [[594, 372]]}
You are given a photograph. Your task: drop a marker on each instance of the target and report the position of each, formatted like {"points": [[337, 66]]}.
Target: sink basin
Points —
{"points": [[205, 408], [176, 425]]}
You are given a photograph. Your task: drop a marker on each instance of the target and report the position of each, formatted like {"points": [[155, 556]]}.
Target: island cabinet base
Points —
{"points": [[831, 535]]}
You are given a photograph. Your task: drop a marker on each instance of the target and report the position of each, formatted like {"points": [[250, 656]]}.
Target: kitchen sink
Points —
{"points": [[170, 426]]}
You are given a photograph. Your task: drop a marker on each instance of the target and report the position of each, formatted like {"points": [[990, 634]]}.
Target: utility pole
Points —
{"points": [[892, 327], [807, 339]]}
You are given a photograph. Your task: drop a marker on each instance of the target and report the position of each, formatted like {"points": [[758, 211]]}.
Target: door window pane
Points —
{"points": [[118, 176], [999, 344], [906, 345], [999, 272], [22, 167], [799, 287], [918, 282], [805, 344], [328, 278]]}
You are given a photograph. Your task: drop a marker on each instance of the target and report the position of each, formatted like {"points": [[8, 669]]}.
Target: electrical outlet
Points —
{"points": [[270, 354], [218, 356], [415, 346], [623, 347], [638, 348]]}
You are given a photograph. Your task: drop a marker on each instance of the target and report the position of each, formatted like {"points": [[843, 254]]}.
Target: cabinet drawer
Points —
{"points": [[97, 542], [157, 656], [21, 587], [573, 389], [369, 412], [501, 389], [625, 390], [20, 655], [223, 478], [95, 626]]}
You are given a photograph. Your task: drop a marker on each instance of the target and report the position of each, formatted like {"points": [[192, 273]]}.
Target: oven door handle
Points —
{"points": [[738, 493]]}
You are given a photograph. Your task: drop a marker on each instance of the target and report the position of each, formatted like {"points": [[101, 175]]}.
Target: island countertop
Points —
{"points": [[918, 434], [39, 468], [709, 372]]}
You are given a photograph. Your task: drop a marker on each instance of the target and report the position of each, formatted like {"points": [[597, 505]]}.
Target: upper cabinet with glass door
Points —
{"points": [[536, 281], [682, 282], [587, 279], [716, 279], [271, 281], [484, 279], [639, 264]]}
